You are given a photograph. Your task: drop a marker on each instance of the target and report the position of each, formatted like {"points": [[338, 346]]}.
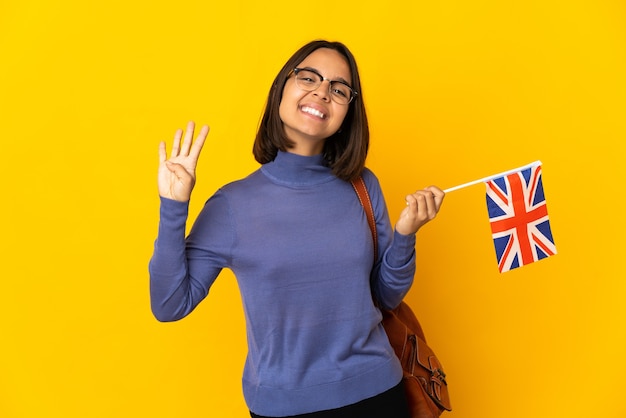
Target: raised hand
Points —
{"points": [[177, 174], [422, 207]]}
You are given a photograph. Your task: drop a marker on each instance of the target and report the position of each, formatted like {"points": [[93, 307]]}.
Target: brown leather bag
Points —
{"points": [[424, 379]]}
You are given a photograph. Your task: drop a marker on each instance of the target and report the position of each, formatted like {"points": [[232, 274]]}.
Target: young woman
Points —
{"points": [[296, 237]]}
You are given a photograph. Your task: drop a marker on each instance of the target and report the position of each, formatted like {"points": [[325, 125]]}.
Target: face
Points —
{"points": [[309, 117]]}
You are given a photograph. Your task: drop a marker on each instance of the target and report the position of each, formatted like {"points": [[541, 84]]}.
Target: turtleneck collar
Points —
{"points": [[295, 170]]}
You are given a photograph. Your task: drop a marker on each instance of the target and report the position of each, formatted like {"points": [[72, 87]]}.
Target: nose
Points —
{"points": [[323, 90]]}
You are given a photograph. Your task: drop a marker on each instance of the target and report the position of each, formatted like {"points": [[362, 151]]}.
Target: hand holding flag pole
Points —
{"points": [[518, 216]]}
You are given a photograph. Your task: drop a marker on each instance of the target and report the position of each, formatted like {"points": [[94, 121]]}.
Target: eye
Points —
{"points": [[307, 77], [340, 89]]}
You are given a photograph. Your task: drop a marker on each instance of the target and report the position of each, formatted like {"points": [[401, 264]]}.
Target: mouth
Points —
{"points": [[313, 112]]}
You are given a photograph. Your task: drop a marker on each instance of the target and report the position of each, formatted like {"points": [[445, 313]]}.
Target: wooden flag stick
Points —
{"points": [[495, 176]]}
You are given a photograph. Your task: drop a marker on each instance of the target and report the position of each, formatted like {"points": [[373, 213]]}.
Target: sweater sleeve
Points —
{"points": [[181, 269], [394, 270]]}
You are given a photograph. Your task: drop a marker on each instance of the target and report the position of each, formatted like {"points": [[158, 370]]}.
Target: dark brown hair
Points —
{"points": [[346, 150]]}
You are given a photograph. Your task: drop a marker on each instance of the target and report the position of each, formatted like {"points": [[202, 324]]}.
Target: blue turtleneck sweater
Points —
{"points": [[297, 239]]}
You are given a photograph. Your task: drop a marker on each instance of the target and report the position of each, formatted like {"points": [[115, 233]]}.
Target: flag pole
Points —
{"points": [[495, 176]]}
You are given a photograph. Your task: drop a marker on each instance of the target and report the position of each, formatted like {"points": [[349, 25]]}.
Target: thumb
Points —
{"points": [[177, 169]]}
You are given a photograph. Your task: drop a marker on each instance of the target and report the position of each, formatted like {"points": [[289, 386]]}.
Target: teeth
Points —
{"points": [[313, 112]]}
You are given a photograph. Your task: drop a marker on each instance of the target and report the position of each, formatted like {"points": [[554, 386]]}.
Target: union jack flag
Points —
{"points": [[519, 218]]}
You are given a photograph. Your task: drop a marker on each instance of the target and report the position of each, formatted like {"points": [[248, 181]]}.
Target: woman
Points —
{"points": [[297, 239]]}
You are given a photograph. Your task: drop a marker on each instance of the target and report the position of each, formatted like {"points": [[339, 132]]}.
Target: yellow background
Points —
{"points": [[455, 90]]}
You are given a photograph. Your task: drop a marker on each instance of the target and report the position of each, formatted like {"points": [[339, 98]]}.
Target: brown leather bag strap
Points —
{"points": [[366, 202]]}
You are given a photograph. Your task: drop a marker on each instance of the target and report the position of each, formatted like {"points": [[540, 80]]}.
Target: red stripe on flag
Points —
{"points": [[534, 185], [499, 193], [505, 256], [541, 245]]}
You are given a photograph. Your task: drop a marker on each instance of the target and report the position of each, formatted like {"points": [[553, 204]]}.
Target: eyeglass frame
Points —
{"points": [[353, 92]]}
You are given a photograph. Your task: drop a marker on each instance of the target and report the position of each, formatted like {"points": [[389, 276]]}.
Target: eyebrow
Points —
{"points": [[339, 79]]}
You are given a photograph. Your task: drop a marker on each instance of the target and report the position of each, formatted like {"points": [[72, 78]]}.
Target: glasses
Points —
{"points": [[310, 80]]}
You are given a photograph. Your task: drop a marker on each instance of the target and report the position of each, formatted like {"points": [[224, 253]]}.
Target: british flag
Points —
{"points": [[519, 218]]}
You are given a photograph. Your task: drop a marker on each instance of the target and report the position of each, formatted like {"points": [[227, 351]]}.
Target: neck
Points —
{"points": [[307, 149]]}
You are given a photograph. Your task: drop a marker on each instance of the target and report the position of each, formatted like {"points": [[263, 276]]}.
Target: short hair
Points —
{"points": [[346, 150]]}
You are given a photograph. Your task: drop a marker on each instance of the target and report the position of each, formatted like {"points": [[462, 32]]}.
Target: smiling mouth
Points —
{"points": [[313, 112]]}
